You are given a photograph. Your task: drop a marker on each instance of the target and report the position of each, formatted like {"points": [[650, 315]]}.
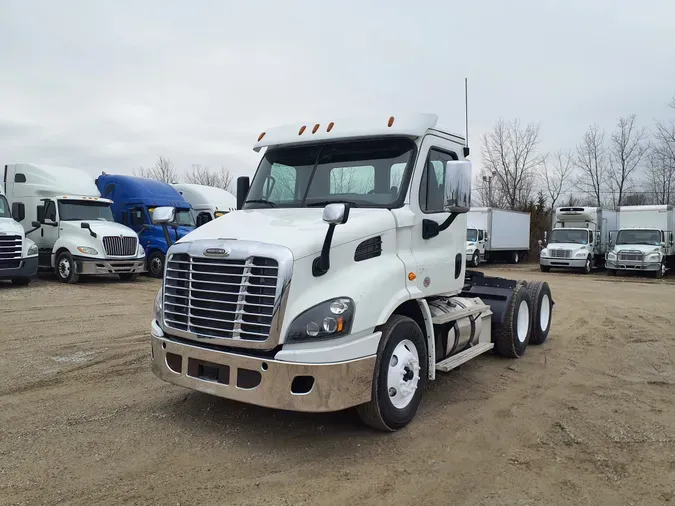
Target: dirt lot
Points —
{"points": [[588, 418]]}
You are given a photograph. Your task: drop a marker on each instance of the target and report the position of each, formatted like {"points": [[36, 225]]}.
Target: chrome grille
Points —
{"points": [[630, 256], [10, 247], [116, 246], [220, 298], [560, 253]]}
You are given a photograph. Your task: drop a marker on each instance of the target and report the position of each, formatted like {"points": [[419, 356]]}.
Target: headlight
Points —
{"points": [[86, 250], [544, 253], [328, 320], [140, 252], [654, 257], [158, 306], [611, 256], [32, 251], [580, 254]]}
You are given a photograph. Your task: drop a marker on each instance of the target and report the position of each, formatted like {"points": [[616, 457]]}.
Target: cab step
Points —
{"points": [[457, 360]]}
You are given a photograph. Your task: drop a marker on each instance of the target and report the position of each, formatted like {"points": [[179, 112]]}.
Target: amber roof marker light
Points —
{"points": [[260, 137], [330, 126], [316, 127], [391, 121], [302, 129]]}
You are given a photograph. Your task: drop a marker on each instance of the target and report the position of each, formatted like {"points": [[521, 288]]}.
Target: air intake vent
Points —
{"points": [[370, 248]]}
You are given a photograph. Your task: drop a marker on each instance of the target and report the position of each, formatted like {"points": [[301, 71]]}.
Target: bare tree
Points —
{"points": [[199, 174], [591, 159], [557, 176], [627, 148], [510, 162], [660, 181], [163, 170]]}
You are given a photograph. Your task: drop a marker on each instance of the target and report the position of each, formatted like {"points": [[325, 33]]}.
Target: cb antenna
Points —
{"points": [[466, 117]]}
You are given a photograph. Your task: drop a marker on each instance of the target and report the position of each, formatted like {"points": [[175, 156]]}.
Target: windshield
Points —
{"points": [[183, 217], [471, 234], [569, 236], [80, 210], [4, 208], [649, 237], [364, 173]]}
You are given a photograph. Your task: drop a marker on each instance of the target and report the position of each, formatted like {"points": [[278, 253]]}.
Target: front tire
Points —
{"points": [[156, 264], [661, 272], [66, 269], [515, 257], [400, 376], [513, 334], [475, 261], [588, 266], [20, 281], [542, 310], [544, 268], [128, 276], [611, 272]]}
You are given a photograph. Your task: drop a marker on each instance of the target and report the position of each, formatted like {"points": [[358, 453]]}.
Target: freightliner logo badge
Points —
{"points": [[216, 252]]}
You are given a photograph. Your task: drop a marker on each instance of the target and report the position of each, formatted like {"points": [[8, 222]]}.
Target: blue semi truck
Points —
{"points": [[134, 200]]}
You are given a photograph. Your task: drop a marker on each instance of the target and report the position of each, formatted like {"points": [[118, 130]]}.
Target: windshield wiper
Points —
{"points": [[321, 203], [261, 201]]}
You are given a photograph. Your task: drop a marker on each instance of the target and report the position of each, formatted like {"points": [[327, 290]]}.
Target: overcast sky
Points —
{"points": [[113, 84]]}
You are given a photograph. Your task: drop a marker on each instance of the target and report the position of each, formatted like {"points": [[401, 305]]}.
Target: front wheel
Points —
{"points": [[544, 268], [515, 258], [128, 276], [156, 264], [20, 281], [475, 261], [587, 266], [66, 270], [661, 272], [400, 376]]}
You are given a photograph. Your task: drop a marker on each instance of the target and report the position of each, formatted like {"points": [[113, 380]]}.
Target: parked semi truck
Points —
{"points": [[341, 281], [18, 254], [78, 235], [497, 235], [207, 202], [645, 241], [134, 200], [579, 239]]}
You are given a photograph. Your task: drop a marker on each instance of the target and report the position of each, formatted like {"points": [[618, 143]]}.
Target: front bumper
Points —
{"points": [[263, 382], [572, 263], [94, 266], [623, 265], [25, 268]]}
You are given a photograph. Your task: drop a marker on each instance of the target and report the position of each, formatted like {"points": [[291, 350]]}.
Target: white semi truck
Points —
{"points": [[645, 242], [78, 235], [207, 202], [497, 235], [579, 239], [18, 254], [341, 280]]}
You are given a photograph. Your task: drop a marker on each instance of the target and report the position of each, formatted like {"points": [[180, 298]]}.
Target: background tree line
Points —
{"points": [[165, 170], [629, 165]]}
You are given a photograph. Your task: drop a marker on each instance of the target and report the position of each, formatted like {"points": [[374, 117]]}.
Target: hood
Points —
{"points": [[574, 246], [301, 229], [642, 248], [101, 228], [11, 227]]}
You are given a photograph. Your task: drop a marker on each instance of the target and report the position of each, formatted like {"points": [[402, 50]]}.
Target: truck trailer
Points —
{"points": [[645, 241], [207, 202], [340, 281], [78, 235], [579, 239], [134, 200], [18, 254], [497, 235]]}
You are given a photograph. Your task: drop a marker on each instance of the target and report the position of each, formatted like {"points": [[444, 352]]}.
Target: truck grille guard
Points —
{"points": [[227, 293]]}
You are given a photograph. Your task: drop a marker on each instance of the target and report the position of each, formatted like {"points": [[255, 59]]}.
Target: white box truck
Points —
{"points": [[645, 241], [579, 239], [343, 284], [78, 235], [207, 202], [18, 254], [497, 235]]}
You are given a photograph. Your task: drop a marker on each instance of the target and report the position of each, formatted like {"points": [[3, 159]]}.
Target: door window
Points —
{"points": [[432, 185]]}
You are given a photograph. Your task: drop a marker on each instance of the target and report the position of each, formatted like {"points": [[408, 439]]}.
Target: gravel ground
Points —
{"points": [[587, 418]]}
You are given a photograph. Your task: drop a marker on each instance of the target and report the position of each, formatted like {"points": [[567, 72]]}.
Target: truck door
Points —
{"points": [[481, 243], [48, 234]]}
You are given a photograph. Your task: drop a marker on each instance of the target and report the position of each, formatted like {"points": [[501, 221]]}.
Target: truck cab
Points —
{"points": [[77, 234], [18, 254], [340, 281], [206, 202], [134, 200], [476, 240], [644, 242]]}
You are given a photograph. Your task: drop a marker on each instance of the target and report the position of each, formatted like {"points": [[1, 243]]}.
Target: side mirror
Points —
{"points": [[163, 215], [18, 211], [540, 243], [457, 191], [243, 185], [36, 224], [336, 214], [663, 244], [88, 227]]}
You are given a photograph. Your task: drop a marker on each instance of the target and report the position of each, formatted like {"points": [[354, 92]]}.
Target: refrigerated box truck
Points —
{"points": [[497, 235]]}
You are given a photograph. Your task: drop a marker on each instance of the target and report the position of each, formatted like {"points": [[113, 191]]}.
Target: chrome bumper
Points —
{"points": [[576, 263], [263, 382], [87, 266], [632, 266]]}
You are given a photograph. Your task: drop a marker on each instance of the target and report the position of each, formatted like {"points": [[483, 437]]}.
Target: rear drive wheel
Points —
{"points": [[156, 264], [128, 276], [542, 310], [475, 260], [512, 335], [587, 266], [400, 376], [66, 270], [20, 281]]}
